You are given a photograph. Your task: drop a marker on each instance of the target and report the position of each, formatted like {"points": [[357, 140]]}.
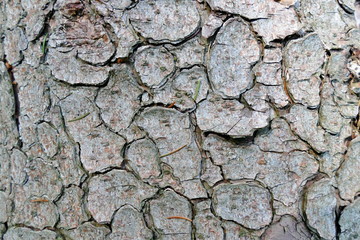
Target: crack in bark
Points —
{"points": [[15, 90]]}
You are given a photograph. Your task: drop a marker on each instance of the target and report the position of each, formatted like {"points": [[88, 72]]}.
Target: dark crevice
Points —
{"points": [[152, 42], [6, 228], [337, 222], [149, 222], [60, 234], [298, 35], [76, 148], [193, 214], [145, 210], [340, 202], [340, 207], [346, 8], [241, 141], [15, 90], [44, 31], [285, 80], [212, 39], [103, 84]]}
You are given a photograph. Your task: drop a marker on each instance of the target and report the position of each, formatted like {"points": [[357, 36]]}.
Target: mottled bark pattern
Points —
{"points": [[179, 119]]}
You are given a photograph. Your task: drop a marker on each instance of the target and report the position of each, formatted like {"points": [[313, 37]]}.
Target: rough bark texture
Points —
{"points": [[179, 119]]}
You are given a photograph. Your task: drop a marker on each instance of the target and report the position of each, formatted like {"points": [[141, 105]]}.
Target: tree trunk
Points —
{"points": [[205, 119]]}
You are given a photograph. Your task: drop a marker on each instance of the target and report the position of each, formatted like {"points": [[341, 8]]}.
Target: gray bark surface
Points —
{"points": [[179, 119]]}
